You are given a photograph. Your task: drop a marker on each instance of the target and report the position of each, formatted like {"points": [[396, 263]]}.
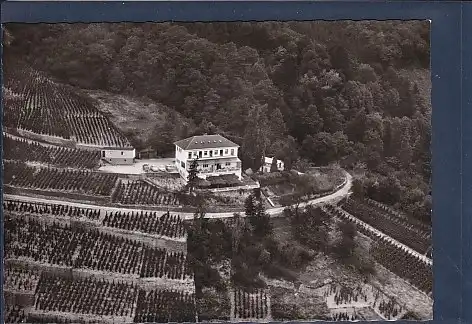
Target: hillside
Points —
{"points": [[422, 79], [355, 93], [341, 230], [36, 105], [141, 119]]}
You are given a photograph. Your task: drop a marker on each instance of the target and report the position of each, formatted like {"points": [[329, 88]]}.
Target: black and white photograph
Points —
{"points": [[217, 172]]}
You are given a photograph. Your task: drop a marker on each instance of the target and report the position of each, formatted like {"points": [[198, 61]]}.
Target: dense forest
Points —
{"points": [[353, 93]]}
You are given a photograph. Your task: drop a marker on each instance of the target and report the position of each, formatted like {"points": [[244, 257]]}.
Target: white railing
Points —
{"points": [[219, 170], [244, 187]]}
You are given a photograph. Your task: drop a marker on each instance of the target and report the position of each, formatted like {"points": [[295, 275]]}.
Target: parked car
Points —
{"points": [[154, 168], [146, 167], [171, 168]]}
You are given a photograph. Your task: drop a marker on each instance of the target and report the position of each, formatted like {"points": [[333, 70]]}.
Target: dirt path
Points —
{"points": [[32, 141], [273, 212]]}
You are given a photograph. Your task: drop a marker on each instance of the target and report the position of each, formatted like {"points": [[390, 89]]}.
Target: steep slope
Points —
{"points": [[141, 119]]}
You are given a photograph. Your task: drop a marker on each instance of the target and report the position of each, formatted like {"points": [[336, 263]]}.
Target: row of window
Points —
{"points": [[226, 164], [210, 153], [205, 165], [103, 153]]}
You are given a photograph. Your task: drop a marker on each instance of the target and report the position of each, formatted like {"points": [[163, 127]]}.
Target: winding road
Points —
{"points": [[273, 212], [342, 192]]}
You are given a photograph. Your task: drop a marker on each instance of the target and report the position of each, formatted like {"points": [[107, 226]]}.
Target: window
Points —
{"points": [[226, 151], [182, 164], [205, 153], [232, 151], [103, 154], [121, 152], [221, 152], [200, 153], [228, 163], [195, 154], [189, 155], [216, 152], [205, 165]]}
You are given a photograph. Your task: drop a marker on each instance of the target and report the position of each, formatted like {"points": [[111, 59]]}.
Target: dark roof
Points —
{"points": [[148, 149], [118, 148], [204, 142]]}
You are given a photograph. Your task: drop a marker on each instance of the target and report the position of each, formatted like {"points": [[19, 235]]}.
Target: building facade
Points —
{"points": [[265, 168], [118, 155], [216, 156]]}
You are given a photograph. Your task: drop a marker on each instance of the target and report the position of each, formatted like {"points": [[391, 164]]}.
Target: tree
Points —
{"points": [[310, 122], [261, 221], [163, 136], [277, 124], [256, 138], [192, 177], [321, 148], [238, 230], [311, 227], [273, 166], [346, 246], [116, 79], [287, 150], [250, 206], [257, 216], [341, 61], [366, 74], [333, 120], [357, 126], [358, 189]]}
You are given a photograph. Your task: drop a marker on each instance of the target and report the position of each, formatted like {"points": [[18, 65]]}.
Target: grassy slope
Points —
{"points": [[325, 268], [135, 117]]}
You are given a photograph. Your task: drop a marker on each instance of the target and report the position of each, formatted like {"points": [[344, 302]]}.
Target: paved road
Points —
{"points": [[274, 212]]}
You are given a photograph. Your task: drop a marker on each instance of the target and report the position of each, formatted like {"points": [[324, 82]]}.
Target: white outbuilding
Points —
{"points": [[118, 155], [265, 168]]}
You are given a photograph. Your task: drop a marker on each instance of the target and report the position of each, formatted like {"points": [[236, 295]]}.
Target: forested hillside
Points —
{"points": [[309, 92]]}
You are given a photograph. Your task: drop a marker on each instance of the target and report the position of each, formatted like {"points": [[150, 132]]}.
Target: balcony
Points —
{"points": [[214, 157], [222, 170]]}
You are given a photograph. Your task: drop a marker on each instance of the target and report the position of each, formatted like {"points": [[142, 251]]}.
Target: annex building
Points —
{"points": [[216, 156], [118, 155], [267, 165]]}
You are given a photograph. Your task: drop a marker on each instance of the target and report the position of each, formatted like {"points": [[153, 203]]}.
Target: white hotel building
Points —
{"points": [[216, 156]]}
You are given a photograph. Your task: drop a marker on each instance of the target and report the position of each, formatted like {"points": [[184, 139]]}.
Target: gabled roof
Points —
{"points": [[204, 142], [116, 148], [268, 160]]}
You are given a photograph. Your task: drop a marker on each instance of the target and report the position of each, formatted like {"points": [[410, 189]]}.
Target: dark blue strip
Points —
{"points": [[447, 98], [141, 11], [467, 161]]}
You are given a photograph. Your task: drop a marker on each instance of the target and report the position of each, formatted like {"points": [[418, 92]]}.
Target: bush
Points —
{"points": [[276, 271], [284, 311]]}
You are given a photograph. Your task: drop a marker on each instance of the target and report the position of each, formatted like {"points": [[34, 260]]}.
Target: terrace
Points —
{"points": [[69, 247], [36, 103]]}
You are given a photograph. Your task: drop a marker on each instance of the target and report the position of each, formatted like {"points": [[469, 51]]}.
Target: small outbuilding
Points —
{"points": [[147, 153], [265, 168], [118, 155]]}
